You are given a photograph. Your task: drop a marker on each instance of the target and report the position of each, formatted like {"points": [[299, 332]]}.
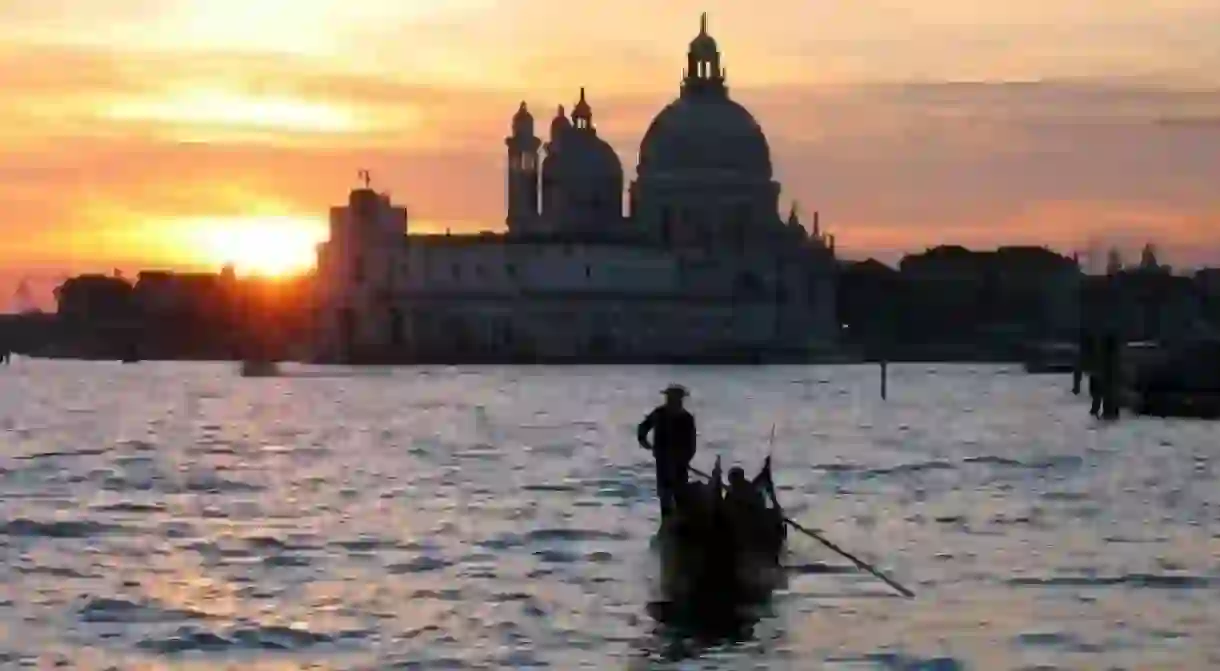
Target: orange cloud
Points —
{"points": [[213, 114]]}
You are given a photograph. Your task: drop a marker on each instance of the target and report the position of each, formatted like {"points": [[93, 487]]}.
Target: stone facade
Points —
{"points": [[702, 266]]}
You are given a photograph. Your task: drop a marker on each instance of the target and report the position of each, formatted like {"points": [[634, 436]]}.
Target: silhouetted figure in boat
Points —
{"points": [[694, 501], [746, 502], [672, 446], [720, 518], [745, 497], [703, 514]]}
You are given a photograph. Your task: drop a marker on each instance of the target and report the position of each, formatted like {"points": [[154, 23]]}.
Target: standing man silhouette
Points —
{"points": [[672, 446]]}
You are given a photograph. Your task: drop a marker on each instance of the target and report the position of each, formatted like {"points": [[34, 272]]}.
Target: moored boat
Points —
{"points": [[1182, 382], [259, 368], [1050, 358]]}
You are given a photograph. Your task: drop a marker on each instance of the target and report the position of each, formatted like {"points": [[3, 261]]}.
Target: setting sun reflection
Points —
{"points": [[269, 246]]}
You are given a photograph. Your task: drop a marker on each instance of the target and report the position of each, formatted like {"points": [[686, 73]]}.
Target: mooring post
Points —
{"points": [[884, 377], [1078, 369], [1084, 358], [1112, 378]]}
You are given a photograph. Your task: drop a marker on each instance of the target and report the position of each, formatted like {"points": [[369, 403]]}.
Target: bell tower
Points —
{"points": [[522, 187]]}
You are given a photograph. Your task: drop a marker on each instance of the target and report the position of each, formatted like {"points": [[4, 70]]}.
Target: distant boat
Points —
{"points": [[259, 368], [255, 346], [131, 356], [1180, 382], [1051, 358]]}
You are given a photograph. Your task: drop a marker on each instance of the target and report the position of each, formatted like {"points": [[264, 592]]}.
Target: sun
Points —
{"points": [[266, 246]]}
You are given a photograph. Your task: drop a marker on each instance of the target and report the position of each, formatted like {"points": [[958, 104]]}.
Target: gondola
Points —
{"points": [[131, 354], [715, 553]]}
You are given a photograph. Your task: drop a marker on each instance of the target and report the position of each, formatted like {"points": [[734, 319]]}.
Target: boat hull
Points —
{"points": [[714, 569], [252, 368]]}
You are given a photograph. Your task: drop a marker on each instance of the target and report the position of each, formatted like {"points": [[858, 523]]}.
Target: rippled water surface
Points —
{"points": [[179, 516]]}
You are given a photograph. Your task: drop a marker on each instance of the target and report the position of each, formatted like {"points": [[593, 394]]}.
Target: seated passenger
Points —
{"points": [[744, 505], [743, 495], [747, 502]]}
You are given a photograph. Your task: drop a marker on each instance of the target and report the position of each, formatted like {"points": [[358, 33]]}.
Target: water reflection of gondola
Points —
{"points": [[690, 630], [131, 353]]}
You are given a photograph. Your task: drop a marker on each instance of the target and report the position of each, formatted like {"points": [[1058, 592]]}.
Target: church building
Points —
{"points": [[700, 265]]}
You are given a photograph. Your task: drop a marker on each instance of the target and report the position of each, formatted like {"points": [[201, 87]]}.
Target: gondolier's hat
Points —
{"points": [[675, 390]]}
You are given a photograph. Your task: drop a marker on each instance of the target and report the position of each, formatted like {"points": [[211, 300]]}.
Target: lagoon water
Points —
{"points": [[179, 516]]}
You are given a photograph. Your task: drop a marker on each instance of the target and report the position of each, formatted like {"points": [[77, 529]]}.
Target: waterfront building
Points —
{"points": [[702, 265]]}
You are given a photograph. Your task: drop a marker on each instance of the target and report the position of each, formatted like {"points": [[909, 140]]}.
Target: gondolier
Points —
{"points": [[673, 444]]}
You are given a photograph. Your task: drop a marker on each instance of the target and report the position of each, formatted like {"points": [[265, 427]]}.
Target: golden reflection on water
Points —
{"points": [[177, 580]]}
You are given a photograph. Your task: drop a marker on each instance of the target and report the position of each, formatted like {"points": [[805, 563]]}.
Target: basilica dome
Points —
{"points": [[705, 133]]}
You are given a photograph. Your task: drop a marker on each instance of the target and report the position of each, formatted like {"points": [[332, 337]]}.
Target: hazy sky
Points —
{"points": [[185, 132]]}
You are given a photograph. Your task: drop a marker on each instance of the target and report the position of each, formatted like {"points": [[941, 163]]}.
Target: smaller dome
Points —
{"points": [[559, 125], [575, 152], [581, 156], [523, 112]]}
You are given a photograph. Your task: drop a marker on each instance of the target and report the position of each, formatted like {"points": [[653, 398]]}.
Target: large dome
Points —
{"points": [[705, 134]]}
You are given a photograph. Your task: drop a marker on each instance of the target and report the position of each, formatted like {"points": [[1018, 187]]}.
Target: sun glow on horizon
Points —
{"points": [[265, 246]]}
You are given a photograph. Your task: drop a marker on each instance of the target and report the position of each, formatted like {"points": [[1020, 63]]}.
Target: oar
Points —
{"points": [[861, 564]]}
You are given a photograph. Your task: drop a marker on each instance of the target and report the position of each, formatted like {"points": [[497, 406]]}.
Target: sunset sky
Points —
{"points": [[185, 133]]}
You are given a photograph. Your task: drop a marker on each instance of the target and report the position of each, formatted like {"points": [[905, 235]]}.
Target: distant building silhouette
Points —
{"points": [[95, 299], [992, 301], [173, 315]]}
